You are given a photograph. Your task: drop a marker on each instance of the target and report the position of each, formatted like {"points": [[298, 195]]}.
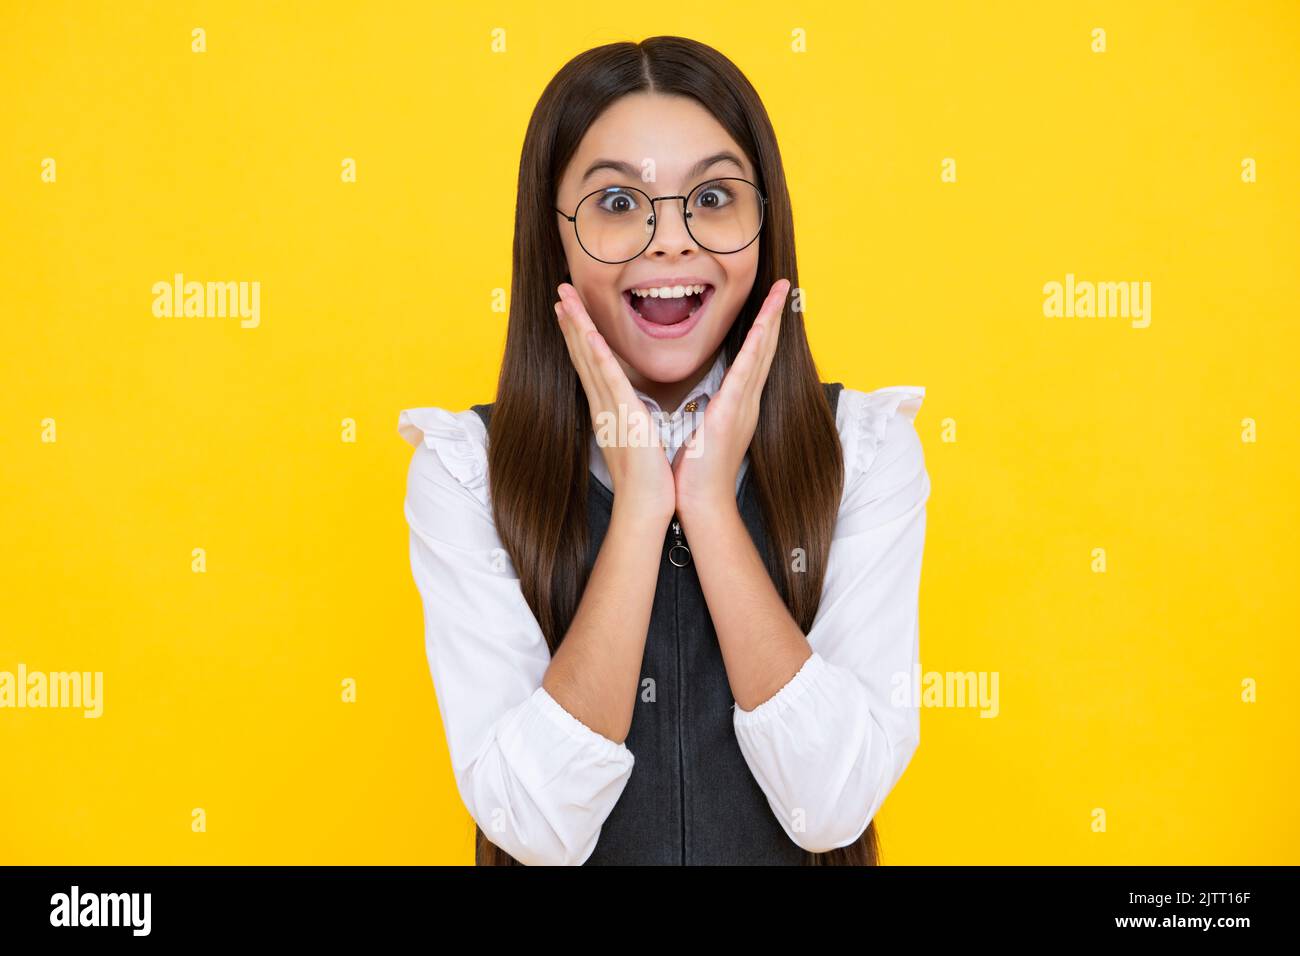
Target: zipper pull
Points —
{"points": [[679, 554]]}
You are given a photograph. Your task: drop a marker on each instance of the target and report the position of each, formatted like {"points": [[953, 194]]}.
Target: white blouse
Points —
{"points": [[826, 749]]}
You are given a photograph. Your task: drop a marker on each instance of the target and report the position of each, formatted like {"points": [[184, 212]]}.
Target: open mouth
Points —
{"points": [[668, 310]]}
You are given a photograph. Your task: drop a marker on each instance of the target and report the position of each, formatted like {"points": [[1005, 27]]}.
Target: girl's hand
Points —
{"points": [[637, 464], [705, 469]]}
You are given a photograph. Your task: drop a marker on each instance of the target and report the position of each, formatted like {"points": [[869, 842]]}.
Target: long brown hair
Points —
{"points": [[540, 425]]}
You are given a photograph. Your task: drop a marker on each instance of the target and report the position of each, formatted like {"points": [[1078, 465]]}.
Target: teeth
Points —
{"points": [[669, 291]]}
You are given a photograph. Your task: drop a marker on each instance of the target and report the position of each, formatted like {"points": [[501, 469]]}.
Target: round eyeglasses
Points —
{"points": [[616, 224]]}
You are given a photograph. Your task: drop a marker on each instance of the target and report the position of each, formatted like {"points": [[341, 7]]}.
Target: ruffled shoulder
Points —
{"points": [[863, 420], [458, 438]]}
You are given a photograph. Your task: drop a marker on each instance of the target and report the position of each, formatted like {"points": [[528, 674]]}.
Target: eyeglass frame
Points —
{"points": [[654, 211]]}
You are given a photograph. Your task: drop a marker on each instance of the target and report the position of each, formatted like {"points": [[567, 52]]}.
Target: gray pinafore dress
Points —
{"points": [[691, 798]]}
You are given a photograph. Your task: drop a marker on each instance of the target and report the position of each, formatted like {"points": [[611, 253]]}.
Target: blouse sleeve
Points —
{"points": [[828, 747], [538, 781]]}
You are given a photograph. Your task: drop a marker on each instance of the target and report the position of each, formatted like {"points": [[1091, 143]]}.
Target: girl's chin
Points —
{"points": [[667, 372]]}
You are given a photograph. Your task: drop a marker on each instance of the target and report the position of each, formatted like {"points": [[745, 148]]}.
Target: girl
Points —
{"points": [[670, 579]]}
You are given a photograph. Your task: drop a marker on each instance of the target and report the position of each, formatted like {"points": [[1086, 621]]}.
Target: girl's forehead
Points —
{"points": [[672, 132]]}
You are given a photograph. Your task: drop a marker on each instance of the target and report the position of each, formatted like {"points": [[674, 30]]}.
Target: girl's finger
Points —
{"points": [[577, 310], [579, 354], [773, 311], [606, 367], [579, 321], [736, 381], [750, 365]]}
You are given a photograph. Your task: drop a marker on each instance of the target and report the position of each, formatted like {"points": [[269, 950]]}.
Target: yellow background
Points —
{"points": [[1118, 691]]}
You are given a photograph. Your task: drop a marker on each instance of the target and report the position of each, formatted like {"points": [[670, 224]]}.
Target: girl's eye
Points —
{"points": [[617, 201], [715, 196]]}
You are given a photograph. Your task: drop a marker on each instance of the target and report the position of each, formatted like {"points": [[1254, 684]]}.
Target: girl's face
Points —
{"points": [[668, 135]]}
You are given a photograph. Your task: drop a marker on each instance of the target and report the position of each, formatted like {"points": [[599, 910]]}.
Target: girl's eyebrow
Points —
{"points": [[628, 169]]}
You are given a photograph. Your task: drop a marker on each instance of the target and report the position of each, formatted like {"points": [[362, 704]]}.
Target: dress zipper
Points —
{"points": [[679, 554]]}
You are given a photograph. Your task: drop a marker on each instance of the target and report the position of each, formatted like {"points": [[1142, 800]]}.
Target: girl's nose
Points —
{"points": [[671, 234]]}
